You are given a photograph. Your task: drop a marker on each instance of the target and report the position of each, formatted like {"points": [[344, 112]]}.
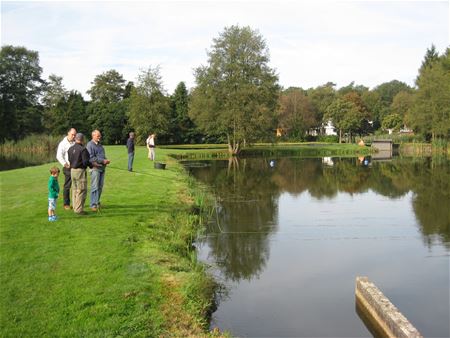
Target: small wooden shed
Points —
{"points": [[382, 145]]}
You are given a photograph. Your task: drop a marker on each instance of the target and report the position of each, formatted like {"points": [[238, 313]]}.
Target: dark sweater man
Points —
{"points": [[79, 157], [79, 161]]}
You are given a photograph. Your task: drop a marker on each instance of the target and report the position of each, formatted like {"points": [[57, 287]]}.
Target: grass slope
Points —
{"points": [[124, 271]]}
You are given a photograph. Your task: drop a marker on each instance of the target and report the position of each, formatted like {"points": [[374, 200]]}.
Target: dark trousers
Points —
{"points": [[67, 185]]}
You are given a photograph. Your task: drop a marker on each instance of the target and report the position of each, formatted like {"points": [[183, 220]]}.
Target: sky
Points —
{"points": [[310, 42]]}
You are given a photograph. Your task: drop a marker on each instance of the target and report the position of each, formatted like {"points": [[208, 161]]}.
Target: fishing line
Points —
{"points": [[148, 174]]}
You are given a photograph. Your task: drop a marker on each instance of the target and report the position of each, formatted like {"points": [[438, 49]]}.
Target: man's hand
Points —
{"points": [[67, 165], [105, 162]]}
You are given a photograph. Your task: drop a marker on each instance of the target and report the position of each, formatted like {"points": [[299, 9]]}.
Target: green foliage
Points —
{"points": [[387, 91], [20, 86], [392, 121], [236, 93], [431, 110], [328, 138], [108, 87], [402, 105], [395, 137], [345, 116], [182, 128], [296, 114], [236, 100], [34, 143], [351, 88], [149, 107], [321, 97], [110, 119], [107, 111], [69, 112], [54, 93]]}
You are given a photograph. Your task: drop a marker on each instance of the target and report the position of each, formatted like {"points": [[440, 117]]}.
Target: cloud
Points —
{"points": [[310, 43]]}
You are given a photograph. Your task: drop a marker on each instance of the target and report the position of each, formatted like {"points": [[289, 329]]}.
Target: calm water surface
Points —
{"points": [[23, 160], [288, 240]]}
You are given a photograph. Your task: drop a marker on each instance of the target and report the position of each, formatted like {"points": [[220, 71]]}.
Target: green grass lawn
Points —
{"points": [[124, 271]]}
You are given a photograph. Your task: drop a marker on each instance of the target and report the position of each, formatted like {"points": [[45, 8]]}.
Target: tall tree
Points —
{"points": [[296, 114], [345, 116], [182, 128], [363, 116], [372, 101], [387, 92], [107, 87], [149, 110], [431, 56], [236, 93], [110, 119], [20, 86], [321, 97], [107, 110], [53, 93], [71, 112], [431, 110], [401, 106]]}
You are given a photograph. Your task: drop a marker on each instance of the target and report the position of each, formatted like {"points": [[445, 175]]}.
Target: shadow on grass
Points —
{"points": [[113, 210]]}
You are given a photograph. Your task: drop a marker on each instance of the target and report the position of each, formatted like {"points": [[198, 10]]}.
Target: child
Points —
{"points": [[53, 191]]}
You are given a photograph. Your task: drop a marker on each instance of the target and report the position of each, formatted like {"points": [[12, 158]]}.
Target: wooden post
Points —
{"points": [[386, 318]]}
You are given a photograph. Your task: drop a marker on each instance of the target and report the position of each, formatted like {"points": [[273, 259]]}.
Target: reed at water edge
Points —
{"points": [[33, 144]]}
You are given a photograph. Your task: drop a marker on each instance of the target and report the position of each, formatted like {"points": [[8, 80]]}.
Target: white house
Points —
{"points": [[330, 129]]}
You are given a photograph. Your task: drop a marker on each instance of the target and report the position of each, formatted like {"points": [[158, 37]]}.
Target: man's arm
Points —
{"points": [[92, 153], [60, 154]]}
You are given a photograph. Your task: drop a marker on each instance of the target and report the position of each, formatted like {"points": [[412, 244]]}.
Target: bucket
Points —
{"points": [[159, 165]]}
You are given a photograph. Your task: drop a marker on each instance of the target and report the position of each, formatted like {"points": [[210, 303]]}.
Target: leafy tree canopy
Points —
{"points": [[149, 110], [107, 87], [236, 93], [20, 86]]}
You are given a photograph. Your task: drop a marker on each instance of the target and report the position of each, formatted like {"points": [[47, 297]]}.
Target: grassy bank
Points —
{"points": [[125, 271], [304, 149]]}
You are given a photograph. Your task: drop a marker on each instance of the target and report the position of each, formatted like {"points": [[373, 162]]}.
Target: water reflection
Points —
{"points": [[246, 206], [22, 160], [248, 190], [289, 237]]}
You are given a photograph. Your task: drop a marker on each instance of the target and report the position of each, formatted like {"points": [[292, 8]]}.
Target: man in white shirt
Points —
{"points": [[63, 158]]}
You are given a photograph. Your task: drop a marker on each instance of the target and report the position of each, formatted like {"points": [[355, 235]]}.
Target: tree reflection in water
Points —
{"points": [[247, 193]]}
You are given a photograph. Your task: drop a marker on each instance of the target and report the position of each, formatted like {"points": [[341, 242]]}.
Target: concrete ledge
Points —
{"points": [[381, 312]]}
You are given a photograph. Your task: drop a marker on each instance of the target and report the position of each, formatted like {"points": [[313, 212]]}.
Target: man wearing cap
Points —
{"points": [[79, 161], [99, 162], [61, 156]]}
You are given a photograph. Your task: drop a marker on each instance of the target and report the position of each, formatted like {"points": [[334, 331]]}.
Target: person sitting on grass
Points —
{"points": [[53, 192]]}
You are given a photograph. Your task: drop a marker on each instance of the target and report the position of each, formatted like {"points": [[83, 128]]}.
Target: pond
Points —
{"points": [[22, 160], [289, 236]]}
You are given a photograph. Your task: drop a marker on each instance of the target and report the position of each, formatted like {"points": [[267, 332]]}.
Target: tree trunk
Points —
{"points": [[340, 135], [233, 146]]}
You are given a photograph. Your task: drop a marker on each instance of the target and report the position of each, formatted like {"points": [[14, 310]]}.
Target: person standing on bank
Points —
{"points": [[62, 157], [151, 146], [130, 148], [79, 161], [99, 162]]}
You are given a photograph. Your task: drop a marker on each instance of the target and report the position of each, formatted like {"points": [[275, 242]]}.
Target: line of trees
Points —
{"points": [[237, 99]]}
